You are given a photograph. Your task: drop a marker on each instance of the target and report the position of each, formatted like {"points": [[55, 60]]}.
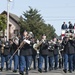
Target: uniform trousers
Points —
{"points": [[70, 56], [73, 62], [40, 64], [65, 57], [34, 61], [16, 61], [56, 61], [51, 61], [24, 62], [4, 58]]}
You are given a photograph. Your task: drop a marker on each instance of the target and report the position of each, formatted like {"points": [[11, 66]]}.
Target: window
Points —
{"points": [[16, 31]]}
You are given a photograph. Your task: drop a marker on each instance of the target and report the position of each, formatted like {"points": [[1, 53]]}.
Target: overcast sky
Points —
{"points": [[54, 12]]}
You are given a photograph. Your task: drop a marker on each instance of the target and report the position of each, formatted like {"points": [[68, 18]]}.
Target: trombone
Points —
{"points": [[21, 45]]}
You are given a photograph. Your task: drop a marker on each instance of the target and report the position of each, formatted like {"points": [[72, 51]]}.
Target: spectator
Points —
{"points": [[70, 25], [64, 26]]}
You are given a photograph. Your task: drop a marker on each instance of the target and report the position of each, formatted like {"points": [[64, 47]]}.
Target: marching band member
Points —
{"points": [[5, 54], [65, 53], [43, 54], [56, 53], [13, 46], [31, 38], [51, 55], [15, 57], [74, 55], [61, 48], [11, 52], [0, 45], [71, 52], [25, 52], [34, 53]]}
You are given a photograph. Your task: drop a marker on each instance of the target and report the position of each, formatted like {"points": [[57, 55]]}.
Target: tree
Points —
{"points": [[33, 21], [2, 23]]}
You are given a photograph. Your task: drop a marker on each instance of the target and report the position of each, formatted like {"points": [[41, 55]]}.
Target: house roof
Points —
{"points": [[12, 16]]}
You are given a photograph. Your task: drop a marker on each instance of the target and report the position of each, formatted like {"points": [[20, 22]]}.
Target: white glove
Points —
{"points": [[27, 41]]}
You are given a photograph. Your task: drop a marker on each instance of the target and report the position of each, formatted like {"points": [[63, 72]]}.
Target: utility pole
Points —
{"points": [[8, 1]]}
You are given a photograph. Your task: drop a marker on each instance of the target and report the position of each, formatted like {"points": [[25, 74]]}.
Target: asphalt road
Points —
{"points": [[35, 72]]}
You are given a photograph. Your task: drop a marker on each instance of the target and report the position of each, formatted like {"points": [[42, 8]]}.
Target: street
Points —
{"points": [[35, 72]]}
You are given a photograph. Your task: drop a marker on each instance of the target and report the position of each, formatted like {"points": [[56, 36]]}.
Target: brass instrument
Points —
{"points": [[36, 45], [2, 48], [16, 40], [21, 45]]}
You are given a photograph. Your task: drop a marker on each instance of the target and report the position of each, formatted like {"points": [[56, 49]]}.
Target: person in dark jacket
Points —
{"points": [[56, 53], [11, 52], [71, 27], [65, 53], [51, 55], [34, 53], [74, 55], [61, 48], [25, 52], [16, 56], [5, 55], [0, 45], [71, 52], [64, 26], [43, 54]]}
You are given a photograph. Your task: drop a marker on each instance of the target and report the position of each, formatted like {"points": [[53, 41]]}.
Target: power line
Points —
{"points": [[73, 6], [59, 16], [57, 19]]}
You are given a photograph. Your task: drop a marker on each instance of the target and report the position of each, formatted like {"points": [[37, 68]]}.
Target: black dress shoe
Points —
{"points": [[73, 69], [40, 70], [70, 71], [26, 74], [22, 73], [45, 70], [60, 67], [15, 71], [9, 68], [55, 68], [65, 70], [50, 69], [1, 69]]}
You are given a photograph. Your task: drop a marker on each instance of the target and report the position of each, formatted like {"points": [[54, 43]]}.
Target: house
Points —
{"points": [[14, 28]]}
